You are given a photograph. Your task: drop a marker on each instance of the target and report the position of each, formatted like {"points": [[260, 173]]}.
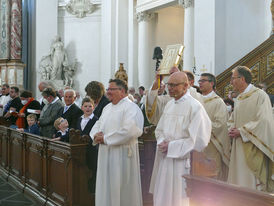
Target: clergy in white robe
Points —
{"points": [[218, 150], [155, 103], [251, 126], [118, 172], [184, 126]]}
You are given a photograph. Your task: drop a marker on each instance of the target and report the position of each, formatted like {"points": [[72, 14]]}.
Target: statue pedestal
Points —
{"points": [[12, 73]]}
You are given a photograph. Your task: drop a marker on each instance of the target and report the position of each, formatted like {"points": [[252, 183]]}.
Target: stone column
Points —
{"points": [[4, 29], [16, 30], [145, 51], [189, 61]]}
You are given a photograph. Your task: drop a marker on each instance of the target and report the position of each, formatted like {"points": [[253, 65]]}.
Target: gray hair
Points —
{"points": [[70, 90]]}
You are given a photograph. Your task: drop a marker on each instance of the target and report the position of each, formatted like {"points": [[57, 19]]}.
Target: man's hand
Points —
{"points": [[234, 133], [163, 147], [99, 138], [155, 83]]}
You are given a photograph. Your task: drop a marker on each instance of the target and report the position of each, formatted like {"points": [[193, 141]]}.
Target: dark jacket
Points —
{"points": [[33, 105], [99, 108], [15, 103], [34, 129], [64, 138], [92, 152], [72, 115]]}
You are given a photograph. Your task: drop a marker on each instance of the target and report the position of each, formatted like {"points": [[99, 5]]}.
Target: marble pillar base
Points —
{"points": [[12, 73]]}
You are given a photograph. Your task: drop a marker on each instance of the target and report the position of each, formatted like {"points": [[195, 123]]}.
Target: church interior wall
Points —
{"points": [[169, 27], [225, 31], [44, 30], [204, 35], [82, 40], [248, 24]]}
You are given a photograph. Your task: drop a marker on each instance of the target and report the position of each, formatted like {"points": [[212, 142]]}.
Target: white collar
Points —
{"points": [[89, 117], [63, 133], [247, 89], [55, 100], [183, 98], [209, 95]]}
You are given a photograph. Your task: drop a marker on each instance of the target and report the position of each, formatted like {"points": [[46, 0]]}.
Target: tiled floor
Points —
{"points": [[11, 196]]}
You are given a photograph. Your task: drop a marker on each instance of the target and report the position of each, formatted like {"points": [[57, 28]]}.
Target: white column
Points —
{"points": [[145, 51], [188, 34], [132, 45]]}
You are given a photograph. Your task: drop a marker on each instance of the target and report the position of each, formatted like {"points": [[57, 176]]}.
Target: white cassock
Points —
{"points": [[155, 104], [186, 125], [118, 180]]}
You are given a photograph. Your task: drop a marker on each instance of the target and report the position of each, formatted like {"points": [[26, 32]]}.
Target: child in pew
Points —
{"points": [[85, 124], [33, 127], [62, 127]]}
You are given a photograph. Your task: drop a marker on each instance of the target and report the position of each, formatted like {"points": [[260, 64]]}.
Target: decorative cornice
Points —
{"points": [[144, 16], [186, 3], [80, 8]]}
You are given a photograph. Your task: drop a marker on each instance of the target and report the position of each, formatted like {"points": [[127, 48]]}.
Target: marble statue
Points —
{"points": [[59, 58], [55, 66]]}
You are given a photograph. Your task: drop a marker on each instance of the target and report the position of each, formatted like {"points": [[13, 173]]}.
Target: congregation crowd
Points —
{"points": [[235, 133]]}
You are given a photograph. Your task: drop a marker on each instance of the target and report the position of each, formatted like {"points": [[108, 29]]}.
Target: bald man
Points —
{"points": [[155, 104], [184, 126]]}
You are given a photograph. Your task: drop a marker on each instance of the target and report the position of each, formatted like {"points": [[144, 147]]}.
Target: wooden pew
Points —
{"points": [[204, 191], [53, 172]]}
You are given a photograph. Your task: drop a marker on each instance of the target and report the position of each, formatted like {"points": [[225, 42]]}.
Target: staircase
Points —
{"points": [[260, 61]]}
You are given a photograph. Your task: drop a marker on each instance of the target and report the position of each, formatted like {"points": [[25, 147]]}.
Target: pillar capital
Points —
{"points": [[144, 16], [186, 3]]}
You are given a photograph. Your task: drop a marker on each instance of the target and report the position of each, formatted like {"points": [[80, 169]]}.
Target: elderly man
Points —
{"points": [[251, 129], [183, 127], [118, 173], [155, 103], [218, 150], [71, 111], [49, 112]]}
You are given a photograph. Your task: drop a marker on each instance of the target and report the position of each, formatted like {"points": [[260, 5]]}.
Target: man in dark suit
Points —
{"points": [[13, 106], [96, 91], [71, 111]]}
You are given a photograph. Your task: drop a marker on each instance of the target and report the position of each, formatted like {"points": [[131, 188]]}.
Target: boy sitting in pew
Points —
{"points": [[62, 127]]}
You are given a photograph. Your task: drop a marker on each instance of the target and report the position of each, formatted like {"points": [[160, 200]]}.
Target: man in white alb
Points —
{"points": [[155, 104], [118, 172], [184, 126]]}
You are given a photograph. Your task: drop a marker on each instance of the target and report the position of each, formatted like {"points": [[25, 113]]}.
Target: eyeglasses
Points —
{"points": [[63, 120], [232, 78], [113, 89], [203, 80], [172, 85]]}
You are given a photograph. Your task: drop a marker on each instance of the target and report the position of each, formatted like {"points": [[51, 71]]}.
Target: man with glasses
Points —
{"points": [[183, 127], [218, 150], [50, 112], [251, 130], [118, 172], [155, 104]]}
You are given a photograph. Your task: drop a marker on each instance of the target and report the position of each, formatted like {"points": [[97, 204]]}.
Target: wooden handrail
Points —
{"points": [[260, 61]]}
